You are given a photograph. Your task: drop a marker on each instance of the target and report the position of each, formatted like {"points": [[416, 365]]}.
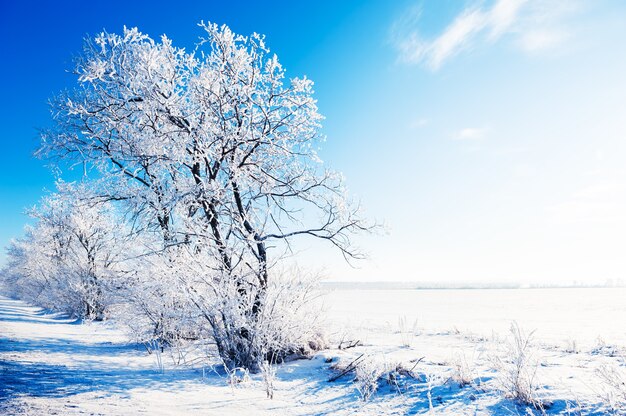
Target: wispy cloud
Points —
{"points": [[533, 24], [472, 133], [538, 40]]}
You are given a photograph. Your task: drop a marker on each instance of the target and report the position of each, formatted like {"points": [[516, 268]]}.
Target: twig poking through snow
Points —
{"points": [[349, 368]]}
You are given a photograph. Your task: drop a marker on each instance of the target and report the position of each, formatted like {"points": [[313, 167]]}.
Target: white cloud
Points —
{"points": [[456, 36], [542, 39], [471, 133], [534, 24], [503, 15]]}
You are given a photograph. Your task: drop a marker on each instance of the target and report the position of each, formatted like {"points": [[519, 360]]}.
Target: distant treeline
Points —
{"points": [[381, 285]]}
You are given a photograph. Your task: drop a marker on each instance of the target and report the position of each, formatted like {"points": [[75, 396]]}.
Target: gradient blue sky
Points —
{"points": [[490, 136]]}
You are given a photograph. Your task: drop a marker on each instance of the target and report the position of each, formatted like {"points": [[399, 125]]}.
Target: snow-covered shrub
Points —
{"points": [[70, 259], [368, 372], [574, 408], [432, 380], [407, 332], [268, 372], [571, 346], [463, 373], [156, 302], [602, 348], [237, 376], [266, 325], [517, 367], [613, 379]]}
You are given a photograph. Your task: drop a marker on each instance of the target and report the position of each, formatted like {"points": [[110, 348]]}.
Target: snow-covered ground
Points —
{"points": [[559, 315], [52, 365]]}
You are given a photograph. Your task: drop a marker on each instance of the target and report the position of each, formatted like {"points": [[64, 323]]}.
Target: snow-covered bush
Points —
{"points": [[267, 325], [188, 301], [463, 371], [432, 380], [70, 259], [237, 376], [571, 346], [517, 367], [268, 372], [368, 372], [156, 302], [407, 332], [613, 395]]}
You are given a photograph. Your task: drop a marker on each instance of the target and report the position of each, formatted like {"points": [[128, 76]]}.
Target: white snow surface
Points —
{"points": [[50, 364]]}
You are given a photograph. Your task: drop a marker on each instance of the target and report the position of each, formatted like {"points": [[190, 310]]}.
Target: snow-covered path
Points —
{"points": [[53, 365]]}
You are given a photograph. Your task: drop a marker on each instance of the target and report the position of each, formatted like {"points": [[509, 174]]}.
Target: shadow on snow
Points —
{"points": [[40, 379]]}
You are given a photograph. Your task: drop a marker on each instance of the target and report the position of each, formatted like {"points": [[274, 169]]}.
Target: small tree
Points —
{"points": [[214, 148], [68, 259]]}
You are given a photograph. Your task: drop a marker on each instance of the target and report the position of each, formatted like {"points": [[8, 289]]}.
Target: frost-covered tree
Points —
{"points": [[69, 259], [216, 149]]}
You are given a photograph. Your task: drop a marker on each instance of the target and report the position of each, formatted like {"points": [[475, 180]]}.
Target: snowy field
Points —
{"points": [[557, 315], [432, 352]]}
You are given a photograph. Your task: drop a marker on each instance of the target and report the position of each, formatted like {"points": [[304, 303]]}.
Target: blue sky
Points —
{"points": [[488, 135]]}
